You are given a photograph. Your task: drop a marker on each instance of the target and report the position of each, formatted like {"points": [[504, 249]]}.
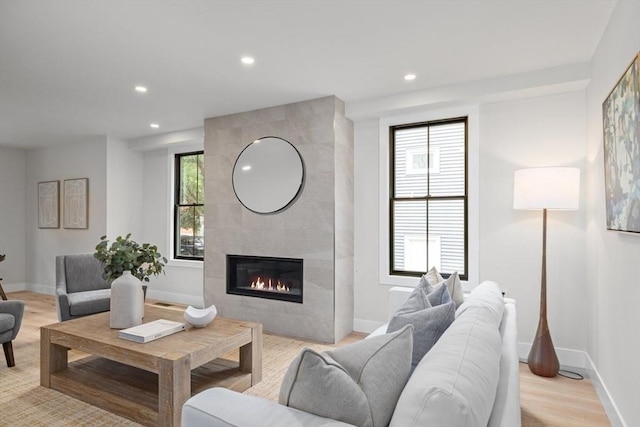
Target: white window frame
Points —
{"points": [[473, 244]]}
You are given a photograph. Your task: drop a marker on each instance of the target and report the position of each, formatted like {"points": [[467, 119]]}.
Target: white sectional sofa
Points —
{"points": [[468, 379]]}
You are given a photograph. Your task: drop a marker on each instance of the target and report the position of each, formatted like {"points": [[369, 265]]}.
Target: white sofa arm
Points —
{"points": [[219, 407]]}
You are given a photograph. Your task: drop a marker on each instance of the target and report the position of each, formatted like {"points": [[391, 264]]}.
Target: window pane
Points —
{"points": [[191, 231], [409, 235], [446, 223], [410, 154], [447, 149], [191, 179]]}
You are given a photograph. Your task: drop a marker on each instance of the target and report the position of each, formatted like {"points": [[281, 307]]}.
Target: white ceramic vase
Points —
{"points": [[127, 302]]}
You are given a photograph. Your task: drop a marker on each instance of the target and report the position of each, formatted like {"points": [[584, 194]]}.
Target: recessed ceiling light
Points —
{"points": [[154, 125], [410, 77], [141, 89], [247, 60]]}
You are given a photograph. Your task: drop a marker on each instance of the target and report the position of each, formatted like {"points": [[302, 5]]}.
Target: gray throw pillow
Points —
{"points": [[455, 288], [439, 295], [357, 384], [429, 320]]}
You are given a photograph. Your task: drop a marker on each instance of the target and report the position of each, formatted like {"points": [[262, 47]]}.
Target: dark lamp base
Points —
{"points": [[542, 357]]}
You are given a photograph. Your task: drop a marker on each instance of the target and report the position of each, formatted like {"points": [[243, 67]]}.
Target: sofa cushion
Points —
{"points": [[357, 384], [488, 295], [429, 320], [218, 407], [89, 302], [83, 273], [455, 383]]}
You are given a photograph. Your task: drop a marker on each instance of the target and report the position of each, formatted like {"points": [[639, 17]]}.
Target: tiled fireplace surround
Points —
{"points": [[317, 227]]}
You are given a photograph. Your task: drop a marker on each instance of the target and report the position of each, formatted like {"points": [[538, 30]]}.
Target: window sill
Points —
{"points": [[185, 263], [412, 282]]}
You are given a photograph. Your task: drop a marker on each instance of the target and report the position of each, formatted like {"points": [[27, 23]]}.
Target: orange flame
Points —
{"points": [[261, 285]]}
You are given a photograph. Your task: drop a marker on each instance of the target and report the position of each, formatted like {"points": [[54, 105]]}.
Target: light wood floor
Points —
{"points": [[556, 402]]}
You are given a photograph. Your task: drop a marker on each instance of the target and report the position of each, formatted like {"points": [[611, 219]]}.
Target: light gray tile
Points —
{"points": [[318, 227]]}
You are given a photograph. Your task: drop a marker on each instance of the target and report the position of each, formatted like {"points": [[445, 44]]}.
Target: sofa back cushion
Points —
{"points": [[357, 384], [83, 273], [455, 383]]}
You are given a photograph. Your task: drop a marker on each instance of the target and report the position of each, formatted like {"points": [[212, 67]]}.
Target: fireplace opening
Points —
{"points": [[265, 277]]}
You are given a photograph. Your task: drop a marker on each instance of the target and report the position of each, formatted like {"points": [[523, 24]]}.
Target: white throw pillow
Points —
{"points": [[455, 288]]}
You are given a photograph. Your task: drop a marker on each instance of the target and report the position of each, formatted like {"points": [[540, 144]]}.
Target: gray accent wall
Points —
{"points": [[317, 226]]}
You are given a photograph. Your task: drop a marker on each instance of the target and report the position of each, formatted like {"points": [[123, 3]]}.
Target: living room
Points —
{"points": [[545, 113]]}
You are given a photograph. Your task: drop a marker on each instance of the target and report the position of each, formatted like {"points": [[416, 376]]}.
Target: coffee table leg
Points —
{"points": [[174, 388], [251, 355], [53, 358]]}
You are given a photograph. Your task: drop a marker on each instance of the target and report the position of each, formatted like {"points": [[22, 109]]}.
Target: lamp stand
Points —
{"points": [[542, 357]]}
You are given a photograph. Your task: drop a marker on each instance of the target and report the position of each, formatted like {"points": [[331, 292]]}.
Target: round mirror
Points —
{"points": [[268, 175]]}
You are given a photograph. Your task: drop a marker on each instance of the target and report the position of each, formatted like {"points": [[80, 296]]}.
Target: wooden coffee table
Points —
{"points": [[148, 383]]}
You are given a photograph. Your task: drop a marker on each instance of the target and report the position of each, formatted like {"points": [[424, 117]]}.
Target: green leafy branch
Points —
{"points": [[126, 254]]}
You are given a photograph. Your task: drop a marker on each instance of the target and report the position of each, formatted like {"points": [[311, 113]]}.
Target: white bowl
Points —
{"points": [[199, 317]]}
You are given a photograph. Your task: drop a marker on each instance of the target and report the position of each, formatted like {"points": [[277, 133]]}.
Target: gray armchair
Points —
{"points": [[80, 288], [11, 313]]}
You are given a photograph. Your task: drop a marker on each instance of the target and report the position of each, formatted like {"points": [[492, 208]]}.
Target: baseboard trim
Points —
{"points": [[193, 300], [14, 287], [365, 326], [151, 293], [580, 359], [603, 393], [41, 289], [566, 357]]}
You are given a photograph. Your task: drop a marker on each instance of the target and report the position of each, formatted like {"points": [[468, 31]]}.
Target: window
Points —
{"points": [[417, 160], [189, 206], [428, 198]]}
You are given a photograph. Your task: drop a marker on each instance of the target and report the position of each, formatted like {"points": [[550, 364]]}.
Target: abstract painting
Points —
{"points": [[48, 204], [621, 136], [76, 197]]}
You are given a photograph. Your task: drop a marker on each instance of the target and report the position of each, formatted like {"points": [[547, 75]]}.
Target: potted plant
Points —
{"points": [[125, 254], [126, 265]]}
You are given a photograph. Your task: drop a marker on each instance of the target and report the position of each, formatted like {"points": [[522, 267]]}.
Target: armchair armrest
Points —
{"points": [[15, 308]]}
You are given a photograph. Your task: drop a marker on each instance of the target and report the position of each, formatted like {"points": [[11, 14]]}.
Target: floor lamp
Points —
{"points": [[545, 189]]}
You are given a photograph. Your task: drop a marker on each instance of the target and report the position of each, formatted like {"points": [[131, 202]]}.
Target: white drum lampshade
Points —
{"points": [[553, 188]]}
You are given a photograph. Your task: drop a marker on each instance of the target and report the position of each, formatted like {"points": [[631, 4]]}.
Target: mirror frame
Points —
{"points": [[288, 202]]}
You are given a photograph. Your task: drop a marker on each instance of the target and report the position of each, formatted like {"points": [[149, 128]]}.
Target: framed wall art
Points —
{"points": [[621, 137], [48, 204], [76, 203]]}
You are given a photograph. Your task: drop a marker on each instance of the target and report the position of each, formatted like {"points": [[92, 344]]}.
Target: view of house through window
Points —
{"points": [[189, 206], [428, 202]]}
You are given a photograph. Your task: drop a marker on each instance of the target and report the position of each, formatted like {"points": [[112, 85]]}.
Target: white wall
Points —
{"points": [[124, 190], [183, 280], [369, 295], [82, 160], [13, 204], [612, 264], [533, 132], [129, 191], [545, 130]]}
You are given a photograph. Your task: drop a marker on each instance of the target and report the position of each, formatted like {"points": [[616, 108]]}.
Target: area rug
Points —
{"points": [[23, 402]]}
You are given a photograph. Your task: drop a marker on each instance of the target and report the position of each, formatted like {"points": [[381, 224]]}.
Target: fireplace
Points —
{"points": [[265, 277]]}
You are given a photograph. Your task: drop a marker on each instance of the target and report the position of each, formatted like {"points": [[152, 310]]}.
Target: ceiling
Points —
{"points": [[68, 68]]}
